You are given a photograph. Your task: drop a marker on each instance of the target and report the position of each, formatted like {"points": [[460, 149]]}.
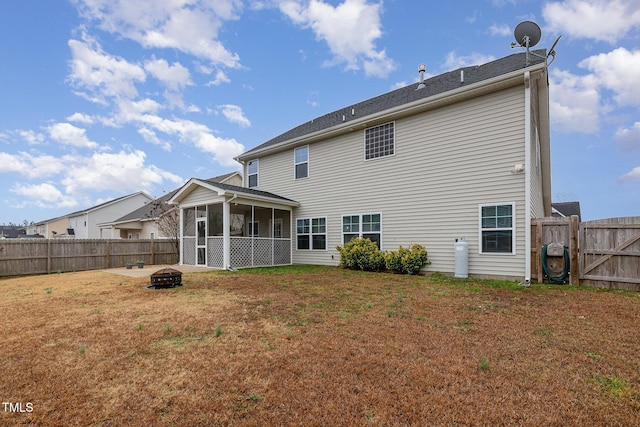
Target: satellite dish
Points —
{"points": [[527, 34]]}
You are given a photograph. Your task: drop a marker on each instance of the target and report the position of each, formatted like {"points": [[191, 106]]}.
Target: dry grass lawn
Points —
{"points": [[315, 346]]}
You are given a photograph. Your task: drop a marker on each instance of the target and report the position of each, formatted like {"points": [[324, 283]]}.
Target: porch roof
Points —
{"points": [[228, 190]]}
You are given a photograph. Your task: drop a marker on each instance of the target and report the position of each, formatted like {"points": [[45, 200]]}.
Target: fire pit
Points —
{"points": [[166, 278]]}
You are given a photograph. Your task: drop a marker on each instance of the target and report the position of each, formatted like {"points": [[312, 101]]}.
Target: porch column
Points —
{"points": [[180, 236], [226, 234]]}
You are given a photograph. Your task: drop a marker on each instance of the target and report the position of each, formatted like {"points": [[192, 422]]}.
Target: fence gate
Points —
{"points": [[610, 253]]}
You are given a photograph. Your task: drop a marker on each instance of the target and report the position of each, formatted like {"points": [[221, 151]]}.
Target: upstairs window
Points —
{"points": [[379, 141], [497, 228], [301, 162], [252, 173]]}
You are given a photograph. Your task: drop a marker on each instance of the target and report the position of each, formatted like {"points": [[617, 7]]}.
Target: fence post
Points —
{"points": [[48, 256], [153, 252], [108, 250], [574, 258]]}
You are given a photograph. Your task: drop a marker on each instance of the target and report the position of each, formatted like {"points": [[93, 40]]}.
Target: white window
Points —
{"points": [[497, 228], [252, 173], [367, 226], [311, 233], [301, 162], [379, 141]]}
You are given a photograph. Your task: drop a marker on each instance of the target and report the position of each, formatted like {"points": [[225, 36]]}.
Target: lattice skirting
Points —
{"points": [[189, 250], [215, 252], [245, 252]]}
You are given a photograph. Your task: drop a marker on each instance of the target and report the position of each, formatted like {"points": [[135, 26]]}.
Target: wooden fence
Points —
{"points": [[603, 253], [610, 253], [43, 256], [561, 230]]}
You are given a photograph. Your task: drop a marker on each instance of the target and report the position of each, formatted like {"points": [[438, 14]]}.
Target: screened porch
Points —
{"points": [[246, 235]]}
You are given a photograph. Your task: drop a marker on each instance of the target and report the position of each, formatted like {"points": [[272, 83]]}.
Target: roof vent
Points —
{"points": [[421, 69]]}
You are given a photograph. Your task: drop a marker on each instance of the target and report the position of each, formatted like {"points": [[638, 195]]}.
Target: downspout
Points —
{"points": [[527, 178]]}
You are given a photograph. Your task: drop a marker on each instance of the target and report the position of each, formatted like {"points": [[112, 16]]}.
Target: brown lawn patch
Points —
{"points": [[315, 346]]}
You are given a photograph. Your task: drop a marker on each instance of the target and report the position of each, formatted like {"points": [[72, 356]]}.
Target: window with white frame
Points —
{"points": [[497, 228], [367, 226], [311, 233], [252, 173], [379, 141], [301, 162]]}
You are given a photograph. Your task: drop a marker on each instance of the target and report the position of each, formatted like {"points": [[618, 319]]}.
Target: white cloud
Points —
{"points": [[43, 195], [618, 72], [220, 78], [500, 30], [603, 20], [190, 26], [69, 134], [629, 138], [234, 114], [174, 76], [189, 132], [120, 172], [350, 29], [81, 118], [31, 137], [631, 176], [454, 61], [31, 166], [103, 75], [150, 136], [574, 102]]}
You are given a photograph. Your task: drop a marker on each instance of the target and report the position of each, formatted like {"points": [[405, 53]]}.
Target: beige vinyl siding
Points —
{"points": [[447, 162], [201, 196]]}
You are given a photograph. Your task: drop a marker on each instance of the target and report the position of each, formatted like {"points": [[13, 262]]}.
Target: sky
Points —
{"points": [[104, 98]]}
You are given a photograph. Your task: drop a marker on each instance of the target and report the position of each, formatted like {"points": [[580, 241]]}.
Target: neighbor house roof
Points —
{"points": [[566, 209], [110, 202], [443, 83], [151, 210], [11, 231]]}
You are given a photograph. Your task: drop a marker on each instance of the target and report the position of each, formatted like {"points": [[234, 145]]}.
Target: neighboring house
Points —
{"points": [[84, 224], [566, 209], [146, 223], [465, 156], [50, 228], [12, 231]]}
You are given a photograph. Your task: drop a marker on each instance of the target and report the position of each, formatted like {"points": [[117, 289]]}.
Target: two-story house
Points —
{"points": [[464, 155]]}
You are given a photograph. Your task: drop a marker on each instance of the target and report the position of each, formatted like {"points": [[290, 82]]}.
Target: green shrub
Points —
{"points": [[407, 261], [361, 254]]}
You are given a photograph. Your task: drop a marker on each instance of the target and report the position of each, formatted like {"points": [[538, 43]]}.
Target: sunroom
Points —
{"points": [[225, 226]]}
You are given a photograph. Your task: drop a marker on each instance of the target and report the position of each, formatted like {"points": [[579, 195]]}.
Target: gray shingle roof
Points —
{"points": [[153, 209], [567, 209], [433, 86], [247, 191]]}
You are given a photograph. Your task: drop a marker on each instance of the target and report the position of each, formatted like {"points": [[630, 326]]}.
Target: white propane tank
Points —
{"points": [[461, 249]]}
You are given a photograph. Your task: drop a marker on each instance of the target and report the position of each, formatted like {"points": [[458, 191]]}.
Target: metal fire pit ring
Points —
{"points": [[165, 278]]}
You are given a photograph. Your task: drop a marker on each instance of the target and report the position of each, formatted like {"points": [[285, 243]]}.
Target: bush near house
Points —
{"points": [[407, 260], [363, 254]]}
